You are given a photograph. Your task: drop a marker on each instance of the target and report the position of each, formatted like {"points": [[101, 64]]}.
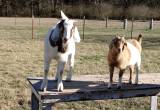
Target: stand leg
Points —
{"points": [[154, 100], [34, 102]]}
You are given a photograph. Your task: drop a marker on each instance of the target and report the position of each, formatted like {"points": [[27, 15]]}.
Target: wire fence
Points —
{"points": [[38, 27], [90, 54]]}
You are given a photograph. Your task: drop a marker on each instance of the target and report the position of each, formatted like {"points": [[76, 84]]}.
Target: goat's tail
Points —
{"points": [[139, 39]]}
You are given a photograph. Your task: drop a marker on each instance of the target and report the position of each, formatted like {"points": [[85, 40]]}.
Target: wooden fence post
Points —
{"points": [[125, 24], [132, 28], [15, 20], [32, 26], [106, 22], [151, 24], [32, 21], [39, 20], [83, 26]]}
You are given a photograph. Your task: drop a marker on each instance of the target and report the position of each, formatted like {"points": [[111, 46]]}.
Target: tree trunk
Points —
{"points": [[55, 5]]}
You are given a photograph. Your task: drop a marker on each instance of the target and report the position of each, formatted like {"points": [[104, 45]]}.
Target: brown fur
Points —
{"points": [[62, 46], [119, 55], [62, 41], [116, 58]]}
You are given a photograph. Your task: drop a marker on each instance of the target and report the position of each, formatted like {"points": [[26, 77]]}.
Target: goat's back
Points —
{"points": [[135, 43]]}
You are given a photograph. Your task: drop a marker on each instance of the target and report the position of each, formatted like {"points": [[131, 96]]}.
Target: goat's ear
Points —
{"points": [[64, 17], [111, 45], [76, 35], [123, 38], [125, 43], [112, 42]]}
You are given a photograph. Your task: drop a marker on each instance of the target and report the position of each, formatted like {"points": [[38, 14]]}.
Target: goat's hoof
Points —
{"points": [[60, 90], [56, 79], [119, 87], [42, 87], [45, 89], [68, 80], [130, 82], [109, 86], [60, 87], [136, 83]]}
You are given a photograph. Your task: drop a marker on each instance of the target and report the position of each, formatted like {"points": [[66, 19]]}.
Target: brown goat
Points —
{"points": [[122, 54]]}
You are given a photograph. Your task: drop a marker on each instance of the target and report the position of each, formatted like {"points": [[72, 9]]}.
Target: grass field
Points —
{"points": [[21, 56]]}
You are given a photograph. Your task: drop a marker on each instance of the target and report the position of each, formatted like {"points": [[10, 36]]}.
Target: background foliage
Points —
{"points": [[92, 9]]}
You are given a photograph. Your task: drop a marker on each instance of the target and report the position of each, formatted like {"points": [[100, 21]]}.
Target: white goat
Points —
{"points": [[59, 44], [124, 53]]}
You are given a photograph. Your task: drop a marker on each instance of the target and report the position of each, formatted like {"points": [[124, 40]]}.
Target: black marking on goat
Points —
{"points": [[61, 42], [52, 42]]}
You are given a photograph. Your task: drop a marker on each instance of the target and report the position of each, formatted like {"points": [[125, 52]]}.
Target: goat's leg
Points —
{"points": [[59, 75], [131, 68], [46, 70], [111, 71], [70, 67], [56, 76], [120, 78], [137, 73]]}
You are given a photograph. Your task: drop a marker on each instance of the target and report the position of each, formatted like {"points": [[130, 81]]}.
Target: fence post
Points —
{"points": [[15, 23], [125, 24], [106, 22], [15, 20], [151, 24], [83, 26], [154, 100], [132, 28], [39, 20], [32, 21], [32, 26]]}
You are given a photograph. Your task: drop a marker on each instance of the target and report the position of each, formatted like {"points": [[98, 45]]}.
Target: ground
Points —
{"points": [[21, 56]]}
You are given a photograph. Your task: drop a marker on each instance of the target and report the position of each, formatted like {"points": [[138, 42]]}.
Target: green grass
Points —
{"points": [[21, 56]]}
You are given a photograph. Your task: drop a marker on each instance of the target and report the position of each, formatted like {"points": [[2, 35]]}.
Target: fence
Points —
{"points": [[18, 48], [36, 24]]}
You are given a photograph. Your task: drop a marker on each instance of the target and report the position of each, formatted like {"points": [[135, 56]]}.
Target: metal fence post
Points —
{"points": [[125, 24], [132, 28], [83, 26], [151, 24], [106, 22]]}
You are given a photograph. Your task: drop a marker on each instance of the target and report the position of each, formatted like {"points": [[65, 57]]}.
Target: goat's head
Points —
{"points": [[118, 44], [67, 31]]}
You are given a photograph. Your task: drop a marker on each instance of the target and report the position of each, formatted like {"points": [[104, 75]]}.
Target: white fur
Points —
{"points": [[134, 60], [135, 55], [62, 58]]}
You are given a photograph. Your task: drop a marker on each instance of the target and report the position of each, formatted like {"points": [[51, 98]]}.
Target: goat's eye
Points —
{"points": [[65, 39]]}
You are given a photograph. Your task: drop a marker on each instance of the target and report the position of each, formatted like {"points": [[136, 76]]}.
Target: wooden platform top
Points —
{"points": [[78, 90]]}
